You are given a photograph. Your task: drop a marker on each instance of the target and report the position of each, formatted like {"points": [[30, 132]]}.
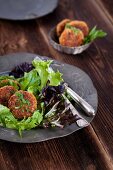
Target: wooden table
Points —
{"points": [[90, 148]]}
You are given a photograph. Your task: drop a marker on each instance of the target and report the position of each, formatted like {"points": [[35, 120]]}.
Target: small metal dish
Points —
{"points": [[68, 50]]}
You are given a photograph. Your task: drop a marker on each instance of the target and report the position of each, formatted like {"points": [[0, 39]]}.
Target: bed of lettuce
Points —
{"points": [[47, 86]]}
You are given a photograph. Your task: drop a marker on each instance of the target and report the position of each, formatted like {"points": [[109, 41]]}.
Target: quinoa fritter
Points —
{"points": [[9, 82], [61, 25], [22, 104], [5, 93], [71, 38], [80, 25]]}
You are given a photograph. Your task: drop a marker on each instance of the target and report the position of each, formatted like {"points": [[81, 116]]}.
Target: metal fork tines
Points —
{"points": [[86, 107]]}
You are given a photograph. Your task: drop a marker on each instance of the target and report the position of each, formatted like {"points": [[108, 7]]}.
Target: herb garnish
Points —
{"points": [[22, 100], [93, 34], [75, 30]]}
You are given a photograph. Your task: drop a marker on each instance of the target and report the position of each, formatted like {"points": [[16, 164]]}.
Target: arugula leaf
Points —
{"points": [[7, 120], [94, 34]]}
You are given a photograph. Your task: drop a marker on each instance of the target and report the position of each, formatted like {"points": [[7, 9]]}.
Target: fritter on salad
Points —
{"points": [[5, 93], [22, 104]]}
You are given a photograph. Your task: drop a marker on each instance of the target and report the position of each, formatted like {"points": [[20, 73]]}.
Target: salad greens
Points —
{"points": [[8, 120], [47, 74], [6, 77], [37, 78], [30, 81], [57, 111], [47, 86], [94, 34], [20, 69]]}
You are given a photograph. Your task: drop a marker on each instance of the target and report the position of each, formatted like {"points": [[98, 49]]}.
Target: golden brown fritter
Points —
{"points": [[71, 38], [5, 93], [22, 104], [9, 82], [80, 25], [61, 25]]}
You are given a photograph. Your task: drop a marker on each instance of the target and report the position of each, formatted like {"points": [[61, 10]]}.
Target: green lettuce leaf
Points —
{"points": [[30, 81], [55, 78], [5, 112], [42, 69], [8, 120], [46, 73], [35, 80], [5, 77]]}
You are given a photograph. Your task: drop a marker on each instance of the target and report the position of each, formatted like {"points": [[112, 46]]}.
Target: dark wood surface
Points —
{"points": [[90, 148]]}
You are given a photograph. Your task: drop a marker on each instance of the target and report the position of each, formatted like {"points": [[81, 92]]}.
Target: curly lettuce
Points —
{"points": [[47, 74], [35, 80], [41, 78], [8, 120]]}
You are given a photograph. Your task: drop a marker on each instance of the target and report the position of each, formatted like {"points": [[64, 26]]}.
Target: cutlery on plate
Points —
{"points": [[86, 107]]}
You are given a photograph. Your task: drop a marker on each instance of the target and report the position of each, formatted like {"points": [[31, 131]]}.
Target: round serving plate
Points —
{"points": [[77, 79], [26, 9]]}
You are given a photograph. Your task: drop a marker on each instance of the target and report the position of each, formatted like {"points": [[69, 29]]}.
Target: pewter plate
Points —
{"points": [[26, 9], [64, 49], [77, 79]]}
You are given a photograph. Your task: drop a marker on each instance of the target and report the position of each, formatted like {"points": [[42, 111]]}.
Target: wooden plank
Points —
{"points": [[21, 37], [88, 148], [94, 61], [106, 7], [81, 150]]}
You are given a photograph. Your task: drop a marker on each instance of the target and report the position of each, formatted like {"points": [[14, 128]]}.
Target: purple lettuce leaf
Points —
{"points": [[57, 111], [18, 71]]}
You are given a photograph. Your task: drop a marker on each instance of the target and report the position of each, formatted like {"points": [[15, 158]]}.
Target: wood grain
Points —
{"points": [[74, 151], [90, 148], [96, 62]]}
